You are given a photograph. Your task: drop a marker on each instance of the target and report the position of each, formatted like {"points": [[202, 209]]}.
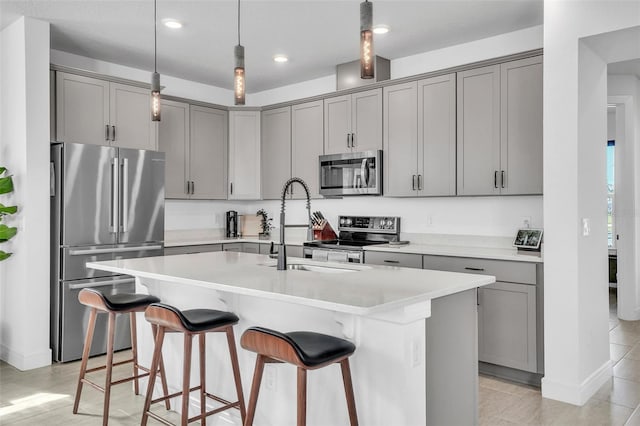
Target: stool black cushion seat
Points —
{"points": [[313, 348], [125, 301], [197, 320]]}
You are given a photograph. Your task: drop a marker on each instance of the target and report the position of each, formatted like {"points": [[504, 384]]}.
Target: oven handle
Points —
{"points": [[120, 281]]}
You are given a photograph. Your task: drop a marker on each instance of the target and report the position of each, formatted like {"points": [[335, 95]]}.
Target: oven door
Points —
{"points": [[328, 255], [355, 173]]}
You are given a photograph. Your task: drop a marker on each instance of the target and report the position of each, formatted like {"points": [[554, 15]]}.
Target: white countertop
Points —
{"points": [[368, 290]]}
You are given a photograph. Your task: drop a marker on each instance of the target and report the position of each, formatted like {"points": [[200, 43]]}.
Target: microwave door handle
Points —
{"points": [[364, 172]]}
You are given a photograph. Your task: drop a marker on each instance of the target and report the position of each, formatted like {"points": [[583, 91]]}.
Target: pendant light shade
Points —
{"points": [[155, 77], [238, 71], [366, 40]]}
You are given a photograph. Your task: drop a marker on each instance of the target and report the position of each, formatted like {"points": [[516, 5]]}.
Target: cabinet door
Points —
{"points": [[130, 114], [307, 146], [173, 140], [208, 153], [521, 126], [507, 325], [337, 124], [244, 155], [479, 131], [276, 151], [237, 247], [400, 139], [366, 120], [82, 109], [437, 136], [251, 248]]}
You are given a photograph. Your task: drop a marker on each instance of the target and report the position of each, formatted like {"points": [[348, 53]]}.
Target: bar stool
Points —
{"points": [[306, 350], [112, 304], [193, 322]]}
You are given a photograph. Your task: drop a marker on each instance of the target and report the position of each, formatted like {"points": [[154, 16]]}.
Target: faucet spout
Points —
{"points": [[282, 252]]}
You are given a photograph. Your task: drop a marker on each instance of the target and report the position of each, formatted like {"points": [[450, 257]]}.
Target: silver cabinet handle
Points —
{"points": [[113, 133], [502, 178], [193, 187], [419, 182], [231, 188], [348, 143], [413, 182], [122, 281], [495, 179], [82, 252], [391, 261], [124, 194], [188, 189], [469, 268], [113, 213], [353, 140], [106, 132]]}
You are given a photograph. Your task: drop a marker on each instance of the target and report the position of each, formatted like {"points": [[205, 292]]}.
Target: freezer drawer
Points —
{"points": [[74, 259], [74, 319]]}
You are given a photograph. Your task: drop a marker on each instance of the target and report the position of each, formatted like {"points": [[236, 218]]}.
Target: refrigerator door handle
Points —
{"points": [[82, 252], [113, 219], [124, 194], [120, 281]]}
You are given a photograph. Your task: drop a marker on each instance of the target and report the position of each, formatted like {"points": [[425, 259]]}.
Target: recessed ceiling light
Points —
{"points": [[280, 58], [380, 29], [172, 23]]}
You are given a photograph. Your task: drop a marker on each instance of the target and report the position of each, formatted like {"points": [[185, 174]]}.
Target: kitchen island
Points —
{"points": [[415, 330]]}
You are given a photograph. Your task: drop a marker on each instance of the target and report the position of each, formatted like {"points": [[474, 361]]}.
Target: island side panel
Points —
{"points": [[452, 360]]}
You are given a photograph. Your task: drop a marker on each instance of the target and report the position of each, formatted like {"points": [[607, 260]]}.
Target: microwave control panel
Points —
{"points": [[382, 224]]}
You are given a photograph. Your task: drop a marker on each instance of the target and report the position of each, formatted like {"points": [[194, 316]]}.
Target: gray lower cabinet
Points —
{"points": [[201, 248], [251, 248], [510, 321], [405, 260], [294, 251], [237, 247]]}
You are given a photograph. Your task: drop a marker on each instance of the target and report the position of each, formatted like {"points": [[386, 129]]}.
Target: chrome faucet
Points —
{"points": [[282, 252]]}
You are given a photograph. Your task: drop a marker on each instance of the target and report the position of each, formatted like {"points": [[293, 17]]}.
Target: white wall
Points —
{"points": [[575, 97], [24, 150]]}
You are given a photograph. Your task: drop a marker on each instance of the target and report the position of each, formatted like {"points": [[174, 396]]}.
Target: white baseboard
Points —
{"points": [[577, 394], [25, 362]]}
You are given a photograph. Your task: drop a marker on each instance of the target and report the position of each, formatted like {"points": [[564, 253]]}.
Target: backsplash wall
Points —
{"points": [[493, 216]]}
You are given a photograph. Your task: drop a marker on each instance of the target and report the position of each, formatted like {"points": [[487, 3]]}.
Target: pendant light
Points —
{"points": [[155, 77], [238, 72], [366, 40]]}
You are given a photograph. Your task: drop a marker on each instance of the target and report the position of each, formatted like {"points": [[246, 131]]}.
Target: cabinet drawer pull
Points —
{"points": [[193, 187], [413, 182], [231, 188], [391, 261], [469, 268], [106, 132], [113, 133], [353, 140], [495, 179], [502, 178], [419, 182]]}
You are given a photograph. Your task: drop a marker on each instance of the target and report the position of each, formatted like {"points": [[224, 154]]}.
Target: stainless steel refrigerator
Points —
{"points": [[106, 203]]}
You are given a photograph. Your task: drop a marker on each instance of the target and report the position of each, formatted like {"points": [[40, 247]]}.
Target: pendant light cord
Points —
{"points": [[238, 22], [155, 37]]}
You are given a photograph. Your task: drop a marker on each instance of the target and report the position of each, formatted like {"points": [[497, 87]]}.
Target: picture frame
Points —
{"points": [[529, 239]]}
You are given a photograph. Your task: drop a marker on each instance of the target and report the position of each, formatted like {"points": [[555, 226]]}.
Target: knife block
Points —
{"points": [[324, 232]]}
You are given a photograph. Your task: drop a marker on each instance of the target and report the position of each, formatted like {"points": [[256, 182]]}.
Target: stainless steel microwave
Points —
{"points": [[352, 173]]}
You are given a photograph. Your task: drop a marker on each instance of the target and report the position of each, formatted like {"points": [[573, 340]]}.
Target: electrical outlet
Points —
{"points": [[270, 377], [586, 227], [526, 221]]}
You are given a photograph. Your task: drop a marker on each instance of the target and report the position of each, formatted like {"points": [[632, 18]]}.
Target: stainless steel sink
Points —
{"points": [[317, 268]]}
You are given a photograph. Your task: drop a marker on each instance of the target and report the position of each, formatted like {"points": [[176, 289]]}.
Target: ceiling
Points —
{"points": [[316, 35]]}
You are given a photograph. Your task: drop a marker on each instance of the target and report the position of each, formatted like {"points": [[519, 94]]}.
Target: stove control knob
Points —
{"points": [[390, 223], [342, 221], [347, 222]]}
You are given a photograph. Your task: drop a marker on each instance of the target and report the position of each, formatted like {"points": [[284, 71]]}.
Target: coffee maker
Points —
{"points": [[232, 224]]}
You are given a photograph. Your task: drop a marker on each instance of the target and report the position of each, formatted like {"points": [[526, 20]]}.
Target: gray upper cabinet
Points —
{"points": [[419, 137], [353, 122], [194, 140], [479, 131], [173, 140], [208, 153], [307, 145], [276, 151], [521, 126], [93, 111], [500, 129], [244, 155]]}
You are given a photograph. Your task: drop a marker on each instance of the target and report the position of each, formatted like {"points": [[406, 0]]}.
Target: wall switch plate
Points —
{"points": [[586, 227], [526, 222]]}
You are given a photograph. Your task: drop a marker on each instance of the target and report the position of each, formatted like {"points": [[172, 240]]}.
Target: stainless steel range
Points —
{"points": [[354, 233]]}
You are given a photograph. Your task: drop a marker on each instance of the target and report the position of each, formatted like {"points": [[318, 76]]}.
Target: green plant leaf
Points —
{"points": [[6, 185], [2, 170], [7, 209], [7, 232], [4, 255]]}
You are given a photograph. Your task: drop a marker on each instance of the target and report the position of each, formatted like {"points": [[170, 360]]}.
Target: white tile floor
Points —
{"points": [[45, 396]]}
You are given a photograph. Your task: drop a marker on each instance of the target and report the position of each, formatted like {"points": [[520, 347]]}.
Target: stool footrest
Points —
{"points": [[235, 405], [159, 418], [102, 367]]}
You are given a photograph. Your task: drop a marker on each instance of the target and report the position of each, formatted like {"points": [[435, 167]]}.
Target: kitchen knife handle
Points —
{"points": [[113, 133]]}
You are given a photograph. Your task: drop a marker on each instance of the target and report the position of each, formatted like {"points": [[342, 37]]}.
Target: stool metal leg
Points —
{"points": [[134, 352], [203, 379], [302, 397], [255, 390], [348, 390], [236, 371], [155, 360], [186, 378], [107, 385], [85, 356]]}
